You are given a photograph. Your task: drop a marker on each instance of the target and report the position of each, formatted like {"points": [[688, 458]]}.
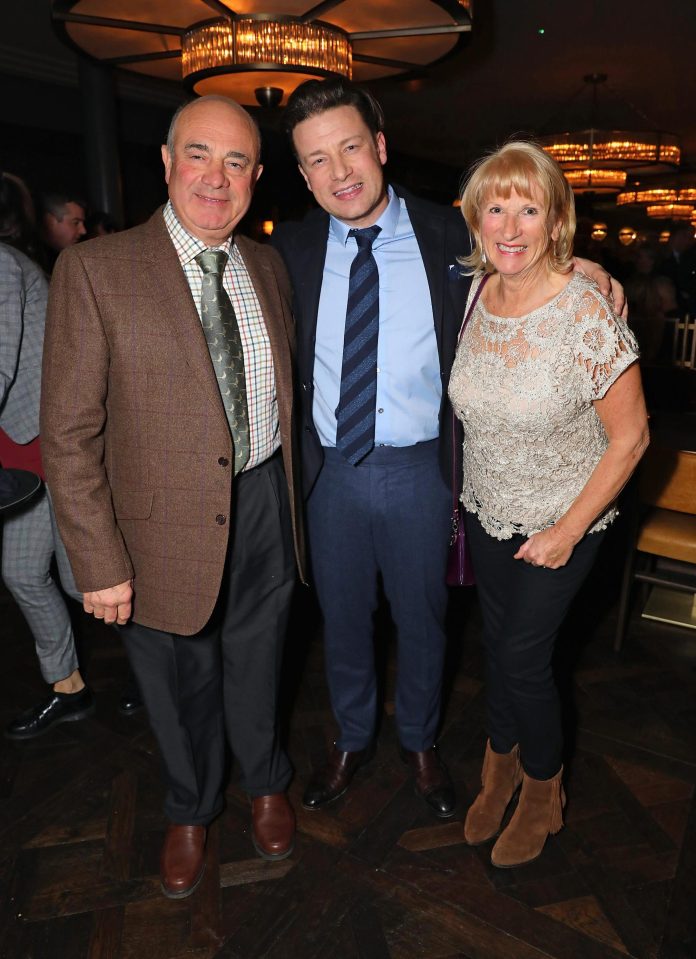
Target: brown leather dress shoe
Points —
{"points": [[272, 826], [432, 781], [334, 778], [182, 862]]}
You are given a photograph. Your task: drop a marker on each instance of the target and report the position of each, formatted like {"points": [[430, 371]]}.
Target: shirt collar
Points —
{"points": [[388, 221], [186, 245]]}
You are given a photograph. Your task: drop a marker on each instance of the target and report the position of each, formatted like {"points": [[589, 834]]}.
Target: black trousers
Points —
{"points": [[224, 680], [523, 608]]}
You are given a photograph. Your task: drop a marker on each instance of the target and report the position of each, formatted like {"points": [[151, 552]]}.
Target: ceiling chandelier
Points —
{"points": [[587, 180], [597, 159], [243, 50], [657, 194], [670, 211], [673, 198]]}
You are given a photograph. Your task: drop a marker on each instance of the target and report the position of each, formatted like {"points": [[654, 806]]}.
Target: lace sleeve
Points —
{"points": [[605, 346]]}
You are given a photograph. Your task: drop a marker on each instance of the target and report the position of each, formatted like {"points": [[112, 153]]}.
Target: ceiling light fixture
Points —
{"points": [[670, 211], [250, 53], [657, 194], [595, 181], [600, 150]]}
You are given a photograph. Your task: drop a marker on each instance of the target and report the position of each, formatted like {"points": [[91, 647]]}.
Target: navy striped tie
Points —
{"points": [[355, 413]]}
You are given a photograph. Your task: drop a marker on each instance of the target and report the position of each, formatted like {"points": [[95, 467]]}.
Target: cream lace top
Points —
{"points": [[523, 388]]}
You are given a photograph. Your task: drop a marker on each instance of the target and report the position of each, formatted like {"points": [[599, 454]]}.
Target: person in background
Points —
{"points": [[546, 384], [679, 265], [30, 536], [61, 224], [99, 224], [652, 298]]}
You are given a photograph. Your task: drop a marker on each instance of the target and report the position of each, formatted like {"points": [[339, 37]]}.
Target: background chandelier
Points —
{"points": [[596, 159], [657, 194], [586, 180], [242, 49], [672, 198], [670, 211]]}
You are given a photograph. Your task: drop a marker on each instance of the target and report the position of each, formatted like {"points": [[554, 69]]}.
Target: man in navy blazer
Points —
{"points": [[386, 516]]}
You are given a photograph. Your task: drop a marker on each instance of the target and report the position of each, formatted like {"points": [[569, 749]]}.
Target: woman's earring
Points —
{"points": [[484, 259]]}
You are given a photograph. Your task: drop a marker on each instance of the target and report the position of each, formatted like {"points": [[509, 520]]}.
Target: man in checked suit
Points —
{"points": [[377, 333], [173, 472]]}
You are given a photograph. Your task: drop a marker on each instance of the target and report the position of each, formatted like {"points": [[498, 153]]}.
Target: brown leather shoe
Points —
{"points": [[272, 826], [182, 862], [432, 781], [334, 778]]}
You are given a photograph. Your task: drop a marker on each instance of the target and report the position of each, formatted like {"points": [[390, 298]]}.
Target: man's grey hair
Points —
{"points": [[253, 125]]}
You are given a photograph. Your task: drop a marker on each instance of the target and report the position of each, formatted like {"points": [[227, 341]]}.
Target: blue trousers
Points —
{"points": [[523, 608], [388, 516]]}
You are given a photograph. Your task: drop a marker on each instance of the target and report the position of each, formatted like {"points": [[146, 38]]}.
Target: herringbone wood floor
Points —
{"points": [[374, 876]]}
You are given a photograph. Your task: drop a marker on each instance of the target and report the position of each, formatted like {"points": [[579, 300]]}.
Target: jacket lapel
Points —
{"points": [[307, 275], [431, 242]]}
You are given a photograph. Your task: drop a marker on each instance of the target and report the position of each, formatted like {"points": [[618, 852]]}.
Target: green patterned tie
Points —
{"points": [[226, 351]]}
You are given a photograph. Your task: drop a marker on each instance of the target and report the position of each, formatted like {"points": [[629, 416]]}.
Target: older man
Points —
{"points": [[167, 401]]}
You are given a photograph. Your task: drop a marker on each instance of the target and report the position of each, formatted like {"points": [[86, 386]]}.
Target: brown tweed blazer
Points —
{"points": [[133, 429]]}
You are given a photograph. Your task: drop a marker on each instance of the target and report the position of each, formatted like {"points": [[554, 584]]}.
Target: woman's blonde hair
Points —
{"points": [[521, 165]]}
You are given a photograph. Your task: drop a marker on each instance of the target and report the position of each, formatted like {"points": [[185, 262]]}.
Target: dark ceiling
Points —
{"points": [[520, 71]]}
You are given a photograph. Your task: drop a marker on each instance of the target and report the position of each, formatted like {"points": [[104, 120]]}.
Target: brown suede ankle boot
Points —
{"points": [[539, 814], [500, 777]]}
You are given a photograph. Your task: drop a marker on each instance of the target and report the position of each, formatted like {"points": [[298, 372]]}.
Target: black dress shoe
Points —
{"points": [[432, 781], [333, 780], [130, 703], [59, 708]]}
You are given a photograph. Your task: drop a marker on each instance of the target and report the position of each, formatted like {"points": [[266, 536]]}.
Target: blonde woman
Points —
{"points": [[546, 384]]}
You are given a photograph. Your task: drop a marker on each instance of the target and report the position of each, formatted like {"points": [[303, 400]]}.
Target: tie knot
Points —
{"points": [[212, 261], [366, 237]]}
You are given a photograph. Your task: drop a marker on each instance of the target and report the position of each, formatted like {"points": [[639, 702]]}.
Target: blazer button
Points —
{"points": [[223, 461], [220, 519]]}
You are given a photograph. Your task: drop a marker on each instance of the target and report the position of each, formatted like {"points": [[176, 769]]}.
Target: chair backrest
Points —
{"points": [[684, 342], [668, 479]]}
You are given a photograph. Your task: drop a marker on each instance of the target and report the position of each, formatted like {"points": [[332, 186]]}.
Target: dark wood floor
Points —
{"points": [[374, 876]]}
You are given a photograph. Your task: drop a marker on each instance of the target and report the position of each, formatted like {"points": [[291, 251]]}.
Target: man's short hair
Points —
{"points": [[317, 96], [253, 125], [55, 202]]}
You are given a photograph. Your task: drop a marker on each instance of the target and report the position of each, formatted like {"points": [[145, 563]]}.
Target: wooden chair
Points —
{"points": [[664, 525]]}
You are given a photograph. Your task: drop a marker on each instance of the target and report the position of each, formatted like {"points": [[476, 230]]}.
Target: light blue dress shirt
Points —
{"points": [[409, 389]]}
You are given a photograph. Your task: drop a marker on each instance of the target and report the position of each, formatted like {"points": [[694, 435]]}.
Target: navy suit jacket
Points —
{"points": [[442, 237]]}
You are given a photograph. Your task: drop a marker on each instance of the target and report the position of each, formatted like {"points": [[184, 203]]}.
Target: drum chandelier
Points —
{"points": [[259, 55]]}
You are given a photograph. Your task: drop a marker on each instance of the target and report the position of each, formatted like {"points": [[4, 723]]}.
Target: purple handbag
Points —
{"points": [[460, 571]]}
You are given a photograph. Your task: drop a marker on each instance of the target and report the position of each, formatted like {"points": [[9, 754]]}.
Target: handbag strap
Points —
{"points": [[467, 317]]}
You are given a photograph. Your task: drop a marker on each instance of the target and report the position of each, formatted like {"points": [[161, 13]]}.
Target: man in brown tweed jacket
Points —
{"points": [[195, 564]]}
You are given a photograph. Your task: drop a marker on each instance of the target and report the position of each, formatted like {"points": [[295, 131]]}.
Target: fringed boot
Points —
{"points": [[500, 777], [539, 814]]}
